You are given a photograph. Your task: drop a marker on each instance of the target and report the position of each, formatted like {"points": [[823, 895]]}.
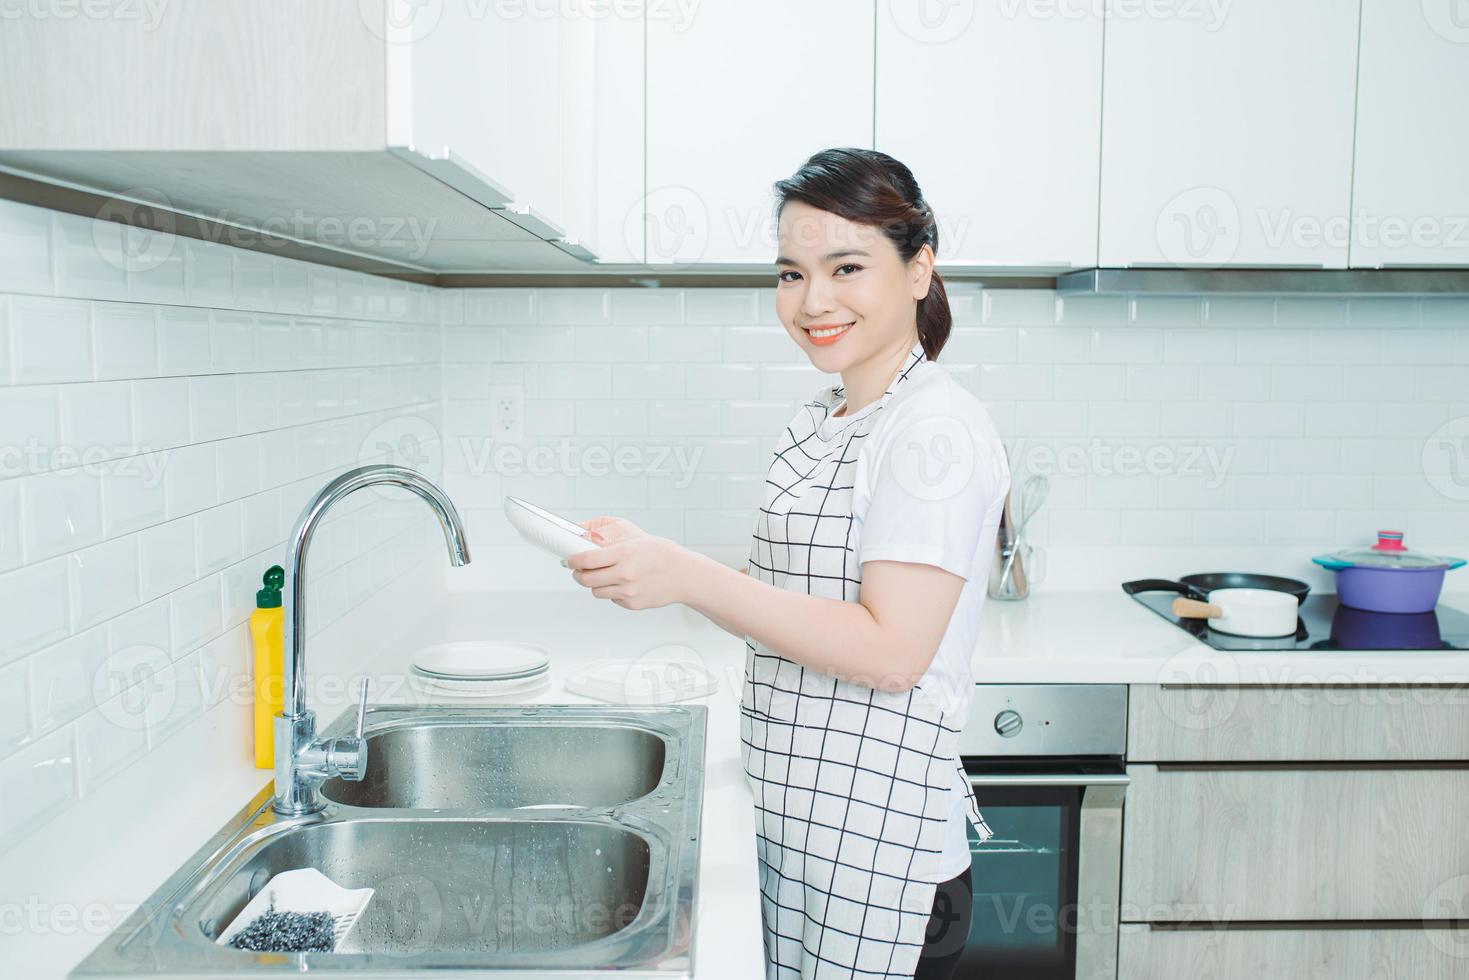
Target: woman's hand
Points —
{"points": [[610, 530], [633, 568]]}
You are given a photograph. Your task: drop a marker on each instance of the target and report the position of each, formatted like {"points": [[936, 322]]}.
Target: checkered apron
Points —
{"points": [[851, 784]]}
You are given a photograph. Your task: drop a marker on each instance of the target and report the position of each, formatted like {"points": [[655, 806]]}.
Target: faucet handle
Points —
{"points": [[346, 755], [362, 708]]}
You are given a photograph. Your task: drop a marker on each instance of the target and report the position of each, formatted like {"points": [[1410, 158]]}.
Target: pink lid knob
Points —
{"points": [[1389, 541]]}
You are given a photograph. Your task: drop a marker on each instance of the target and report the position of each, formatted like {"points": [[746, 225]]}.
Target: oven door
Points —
{"points": [[1046, 884]]}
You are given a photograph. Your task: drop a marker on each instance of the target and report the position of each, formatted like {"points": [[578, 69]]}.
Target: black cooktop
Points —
{"points": [[1325, 624]]}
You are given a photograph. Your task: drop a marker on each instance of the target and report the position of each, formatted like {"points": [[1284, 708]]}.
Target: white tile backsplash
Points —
{"points": [[167, 407], [1257, 408], [165, 410]]}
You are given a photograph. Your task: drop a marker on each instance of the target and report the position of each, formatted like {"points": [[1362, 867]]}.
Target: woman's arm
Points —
{"points": [[885, 641]]}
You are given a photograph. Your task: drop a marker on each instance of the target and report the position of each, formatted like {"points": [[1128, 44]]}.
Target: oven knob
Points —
{"points": [[1008, 723]]}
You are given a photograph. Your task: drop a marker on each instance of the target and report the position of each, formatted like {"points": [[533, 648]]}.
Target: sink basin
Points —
{"points": [[472, 885], [468, 766], [478, 868]]}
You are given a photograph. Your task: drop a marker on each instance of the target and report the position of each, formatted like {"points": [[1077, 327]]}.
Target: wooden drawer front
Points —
{"points": [[1297, 724], [1144, 953], [1279, 843]]}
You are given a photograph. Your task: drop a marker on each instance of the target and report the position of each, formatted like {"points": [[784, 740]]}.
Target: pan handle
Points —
{"points": [[1154, 585]]}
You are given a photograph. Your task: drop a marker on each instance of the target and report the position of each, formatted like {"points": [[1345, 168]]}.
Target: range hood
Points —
{"points": [[1359, 281]]}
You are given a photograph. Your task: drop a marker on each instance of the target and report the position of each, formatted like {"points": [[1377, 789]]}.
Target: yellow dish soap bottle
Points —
{"points": [[267, 625]]}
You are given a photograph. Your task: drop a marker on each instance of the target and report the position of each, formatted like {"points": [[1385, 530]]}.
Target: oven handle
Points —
{"points": [[1050, 779]]}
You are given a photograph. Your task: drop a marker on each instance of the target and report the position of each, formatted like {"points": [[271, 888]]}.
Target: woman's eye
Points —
{"points": [[854, 268], [782, 276]]}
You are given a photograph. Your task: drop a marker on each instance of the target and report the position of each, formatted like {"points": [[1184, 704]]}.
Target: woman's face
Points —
{"points": [[843, 291]]}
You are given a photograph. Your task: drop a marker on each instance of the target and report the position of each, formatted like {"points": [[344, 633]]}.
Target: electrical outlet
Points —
{"points": [[507, 423]]}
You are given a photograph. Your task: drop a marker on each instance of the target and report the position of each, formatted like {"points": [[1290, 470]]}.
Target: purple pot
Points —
{"points": [[1387, 577]]}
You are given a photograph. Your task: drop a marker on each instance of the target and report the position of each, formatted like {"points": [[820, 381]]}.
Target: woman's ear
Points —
{"points": [[921, 267]]}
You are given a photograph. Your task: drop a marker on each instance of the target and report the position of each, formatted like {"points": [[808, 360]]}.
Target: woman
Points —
{"points": [[866, 576]]}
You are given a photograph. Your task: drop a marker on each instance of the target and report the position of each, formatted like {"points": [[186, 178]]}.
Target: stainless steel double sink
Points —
{"points": [[542, 841]]}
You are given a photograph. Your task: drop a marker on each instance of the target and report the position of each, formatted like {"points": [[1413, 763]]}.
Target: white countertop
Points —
{"points": [[64, 888], [1109, 637]]}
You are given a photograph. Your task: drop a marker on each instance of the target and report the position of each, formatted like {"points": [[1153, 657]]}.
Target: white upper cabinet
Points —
{"points": [[740, 93], [1410, 199], [511, 89], [996, 108], [1227, 133]]}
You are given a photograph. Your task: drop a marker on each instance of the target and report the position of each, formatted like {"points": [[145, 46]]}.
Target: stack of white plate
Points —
{"points": [[481, 669]]}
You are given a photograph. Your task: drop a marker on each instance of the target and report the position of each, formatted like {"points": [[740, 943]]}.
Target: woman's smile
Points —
{"points": [[822, 334]]}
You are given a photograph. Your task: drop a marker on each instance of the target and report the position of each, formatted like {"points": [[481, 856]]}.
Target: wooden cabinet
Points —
{"points": [[1302, 831], [997, 111], [1227, 134], [739, 95], [1231, 723], [1300, 953], [1410, 202], [1291, 843]]}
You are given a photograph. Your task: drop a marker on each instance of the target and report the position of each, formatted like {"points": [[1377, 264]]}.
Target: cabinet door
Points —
{"points": [[1300, 953], [1227, 133], [1410, 201], [740, 93], [1293, 843], [1304, 723], [996, 108], [489, 87], [618, 199]]}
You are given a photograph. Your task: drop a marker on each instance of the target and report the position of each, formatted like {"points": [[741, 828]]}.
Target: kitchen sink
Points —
{"points": [[483, 885], [545, 841], [514, 763]]}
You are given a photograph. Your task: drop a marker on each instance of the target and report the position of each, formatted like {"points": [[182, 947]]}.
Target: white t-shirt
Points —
{"points": [[930, 484]]}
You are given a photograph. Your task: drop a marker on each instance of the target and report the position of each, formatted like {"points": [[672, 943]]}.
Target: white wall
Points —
{"points": [[1321, 415], [163, 417], [165, 411]]}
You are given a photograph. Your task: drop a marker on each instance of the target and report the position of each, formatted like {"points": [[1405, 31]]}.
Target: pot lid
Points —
{"points": [[1389, 552]]}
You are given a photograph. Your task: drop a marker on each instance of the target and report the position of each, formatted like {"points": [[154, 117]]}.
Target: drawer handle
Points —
{"points": [[1051, 779]]}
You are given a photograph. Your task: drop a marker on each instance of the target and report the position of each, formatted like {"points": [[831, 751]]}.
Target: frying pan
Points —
{"points": [[1199, 586]]}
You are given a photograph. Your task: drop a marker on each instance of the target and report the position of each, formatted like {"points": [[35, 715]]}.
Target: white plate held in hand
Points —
{"points": [[546, 530]]}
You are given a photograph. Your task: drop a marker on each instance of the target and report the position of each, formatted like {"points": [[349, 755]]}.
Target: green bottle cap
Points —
{"points": [[270, 596]]}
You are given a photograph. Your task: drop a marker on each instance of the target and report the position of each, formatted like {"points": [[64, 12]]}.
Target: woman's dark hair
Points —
{"points": [[872, 188]]}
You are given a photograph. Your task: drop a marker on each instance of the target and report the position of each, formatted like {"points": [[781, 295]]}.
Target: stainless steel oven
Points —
{"points": [[1048, 765]]}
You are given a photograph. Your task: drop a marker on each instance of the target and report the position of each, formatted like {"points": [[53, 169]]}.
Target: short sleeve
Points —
{"points": [[932, 483]]}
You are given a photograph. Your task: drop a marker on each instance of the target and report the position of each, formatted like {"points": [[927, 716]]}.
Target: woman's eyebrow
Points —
{"points": [[828, 257]]}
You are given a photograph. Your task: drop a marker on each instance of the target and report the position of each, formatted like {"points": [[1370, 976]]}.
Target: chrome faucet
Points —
{"points": [[303, 761]]}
